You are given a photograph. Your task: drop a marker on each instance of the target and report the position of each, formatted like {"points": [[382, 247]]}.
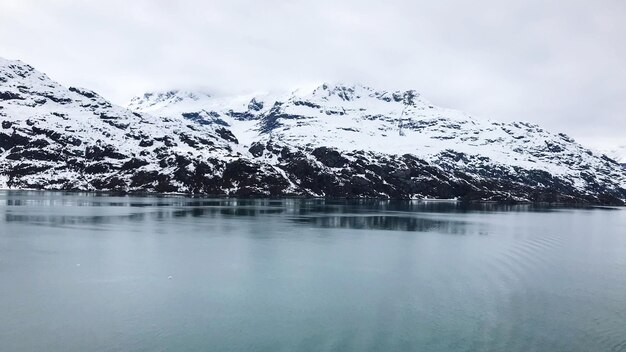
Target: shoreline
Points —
{"points": [[292, 197]]}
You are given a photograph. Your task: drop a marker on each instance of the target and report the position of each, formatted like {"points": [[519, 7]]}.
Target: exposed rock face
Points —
{"points": [[334, 141]]}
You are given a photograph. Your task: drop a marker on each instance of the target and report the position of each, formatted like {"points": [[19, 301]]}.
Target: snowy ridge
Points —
{"points": [[355, 117], [49, 123], [160, 100], [334, 140]]}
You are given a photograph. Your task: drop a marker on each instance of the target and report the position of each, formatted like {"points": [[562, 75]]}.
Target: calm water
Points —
{"points": [[80, 272]]}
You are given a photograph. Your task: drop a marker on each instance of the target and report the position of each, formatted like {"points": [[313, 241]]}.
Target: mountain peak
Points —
{"points": [[161, 99], [347, 92], [16, 69], [6, 62], [344, 91]]}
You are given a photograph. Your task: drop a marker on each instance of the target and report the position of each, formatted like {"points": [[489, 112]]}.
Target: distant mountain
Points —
{"points": [[331, 141], [618, 154]]}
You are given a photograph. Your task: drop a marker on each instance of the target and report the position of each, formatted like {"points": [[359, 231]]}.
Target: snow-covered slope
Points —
{"points": [[357, 118], [55, 137], [618, 154], [332, 140]]}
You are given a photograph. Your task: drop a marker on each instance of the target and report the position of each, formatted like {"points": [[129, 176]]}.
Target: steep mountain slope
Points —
{"points": [[333, 141], [58, 138], [356, 119]]}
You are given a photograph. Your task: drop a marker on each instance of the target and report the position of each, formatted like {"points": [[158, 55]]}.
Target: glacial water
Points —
{"points": [[85, 272]]}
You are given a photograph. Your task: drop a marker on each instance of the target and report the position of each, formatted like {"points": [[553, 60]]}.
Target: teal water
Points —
{"points": [[81, 272]]}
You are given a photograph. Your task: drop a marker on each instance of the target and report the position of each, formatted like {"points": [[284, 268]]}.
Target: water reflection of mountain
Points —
{"points": [[384, 222], [69, 209]]}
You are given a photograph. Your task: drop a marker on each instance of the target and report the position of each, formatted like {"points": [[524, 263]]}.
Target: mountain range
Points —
{"points": [[333, 140]]}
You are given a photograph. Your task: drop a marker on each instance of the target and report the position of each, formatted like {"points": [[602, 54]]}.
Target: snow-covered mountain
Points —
{"points": [[618, 154], [332, 140], [355, 117]]}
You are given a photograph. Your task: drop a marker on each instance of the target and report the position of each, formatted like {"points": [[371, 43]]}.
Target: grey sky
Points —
{"points": [[561, 64]]}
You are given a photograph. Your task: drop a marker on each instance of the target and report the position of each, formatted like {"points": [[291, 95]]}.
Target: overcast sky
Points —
{"points": [[561, 64]]}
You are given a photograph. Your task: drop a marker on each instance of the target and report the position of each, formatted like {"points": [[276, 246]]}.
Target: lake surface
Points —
{"points": [[80, 272]]}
